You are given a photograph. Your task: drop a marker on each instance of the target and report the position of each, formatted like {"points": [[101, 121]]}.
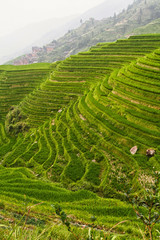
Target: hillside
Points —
{"points": [[92, 31], [152, 27], [83, 116], [22, 40]]}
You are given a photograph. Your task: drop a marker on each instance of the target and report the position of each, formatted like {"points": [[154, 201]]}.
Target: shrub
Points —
{"points": [[2, 206], [151, 202]]}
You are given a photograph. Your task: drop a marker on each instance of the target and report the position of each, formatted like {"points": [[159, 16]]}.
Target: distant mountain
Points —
{"points": [[139, 15], [21, 41], [104, 10]]}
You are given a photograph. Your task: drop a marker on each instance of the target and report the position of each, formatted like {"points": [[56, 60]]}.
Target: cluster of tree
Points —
{"points": [[16, 121]]}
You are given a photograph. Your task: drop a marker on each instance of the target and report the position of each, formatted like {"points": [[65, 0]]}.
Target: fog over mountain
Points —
{"points": [[20, 41], [107, 9]]}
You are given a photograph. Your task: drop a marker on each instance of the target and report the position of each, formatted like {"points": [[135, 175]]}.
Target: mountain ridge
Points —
{"points": [[92, 31]]}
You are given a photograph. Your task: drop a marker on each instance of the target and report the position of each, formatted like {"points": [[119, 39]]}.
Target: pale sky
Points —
{"points": [[15, 14]]}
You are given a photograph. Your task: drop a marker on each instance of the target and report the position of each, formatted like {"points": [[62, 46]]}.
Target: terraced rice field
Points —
{"points": [[78, 74], [18, 82], [20, 189], [85, 113]]}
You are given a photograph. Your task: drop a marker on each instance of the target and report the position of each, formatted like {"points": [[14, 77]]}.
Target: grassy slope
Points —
{"points": [[86, 144], [25, 191]]}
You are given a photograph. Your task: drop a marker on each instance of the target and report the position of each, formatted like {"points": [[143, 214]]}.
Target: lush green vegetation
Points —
{"points": [[20, 191], [16, 121], [18, 82], [85, 114], [44, 66]]}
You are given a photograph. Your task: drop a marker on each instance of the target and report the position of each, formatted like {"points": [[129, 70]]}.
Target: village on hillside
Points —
{"points": [[33, 57]]}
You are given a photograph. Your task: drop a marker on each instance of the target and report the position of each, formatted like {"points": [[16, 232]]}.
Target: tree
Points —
{"points": [[114, 18], [92, 21], [16, 121]]}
